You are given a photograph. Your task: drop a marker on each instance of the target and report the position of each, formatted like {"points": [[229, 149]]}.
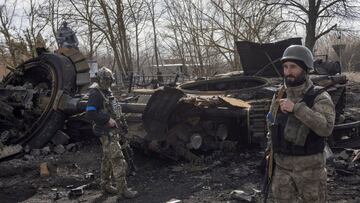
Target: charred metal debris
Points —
{"points": [[44, 96]]}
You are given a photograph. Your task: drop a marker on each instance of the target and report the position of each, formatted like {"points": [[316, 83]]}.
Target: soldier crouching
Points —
{"points": [[103, 113]]}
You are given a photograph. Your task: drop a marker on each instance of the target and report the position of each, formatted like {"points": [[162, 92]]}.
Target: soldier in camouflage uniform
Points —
{"points": [[298, 124], [103, 110]]}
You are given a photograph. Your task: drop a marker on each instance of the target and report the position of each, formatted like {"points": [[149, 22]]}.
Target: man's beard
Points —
{"points": [[297, 81]]}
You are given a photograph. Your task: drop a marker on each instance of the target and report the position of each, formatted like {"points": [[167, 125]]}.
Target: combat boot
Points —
{"points": [[128, 194], [109, 189]]}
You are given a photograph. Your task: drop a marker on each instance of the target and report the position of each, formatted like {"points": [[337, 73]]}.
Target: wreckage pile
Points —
{"points": [[346, 162], [31, 154], [219, 124], [43, 95], [344, 176], [230, 177]]}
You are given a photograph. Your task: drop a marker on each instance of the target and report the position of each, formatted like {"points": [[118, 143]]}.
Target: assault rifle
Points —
{"points": [[122, 130], [127, 151], [268, 174]]}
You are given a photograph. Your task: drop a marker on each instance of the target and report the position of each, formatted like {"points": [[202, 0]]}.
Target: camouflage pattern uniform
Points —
{"points": [[102, 108], [302, 178], [113, 162]]}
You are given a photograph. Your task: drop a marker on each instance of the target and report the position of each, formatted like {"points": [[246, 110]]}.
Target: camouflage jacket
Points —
{"points": [[320, 119], [102, 106]]}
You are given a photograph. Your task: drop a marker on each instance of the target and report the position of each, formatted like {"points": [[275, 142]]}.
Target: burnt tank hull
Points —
{"points": [[39, 94]]}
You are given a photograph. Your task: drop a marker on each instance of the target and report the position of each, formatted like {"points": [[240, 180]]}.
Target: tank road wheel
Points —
{"points": [[48, 76]]}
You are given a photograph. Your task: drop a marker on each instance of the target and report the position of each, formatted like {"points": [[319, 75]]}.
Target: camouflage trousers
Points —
{"points": [[113, 164], [299, 179]]}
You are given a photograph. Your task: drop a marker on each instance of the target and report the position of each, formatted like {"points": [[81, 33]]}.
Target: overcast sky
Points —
{"points": [[20, 21]]}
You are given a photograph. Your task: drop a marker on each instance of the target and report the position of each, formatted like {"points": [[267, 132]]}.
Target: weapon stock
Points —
{"points": [[268, 175]]}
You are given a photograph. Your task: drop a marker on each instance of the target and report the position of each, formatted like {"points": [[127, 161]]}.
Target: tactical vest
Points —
{"points": [[113, 107], [110, 106], [314, 144]]}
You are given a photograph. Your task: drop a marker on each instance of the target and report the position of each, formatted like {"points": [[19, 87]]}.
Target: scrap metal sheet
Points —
{"points": [[235, 102]]}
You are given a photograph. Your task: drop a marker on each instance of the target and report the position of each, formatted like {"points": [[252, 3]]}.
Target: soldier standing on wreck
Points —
{"points": [[301, 116], [98, 110]]}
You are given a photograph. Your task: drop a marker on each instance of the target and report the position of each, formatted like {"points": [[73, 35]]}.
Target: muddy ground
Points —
{"points": [[159, 179]]}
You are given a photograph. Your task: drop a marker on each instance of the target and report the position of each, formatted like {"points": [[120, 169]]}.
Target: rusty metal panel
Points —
{"points": [[67, 51], [77, 57], [82, 78], [235, 102], [82, 66], [73, 54]]}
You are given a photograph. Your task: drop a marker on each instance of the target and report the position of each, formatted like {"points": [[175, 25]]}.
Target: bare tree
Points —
{"points": [[138, 16], [110, 35], [188, 27], [91, 32], [178, 36], [318, 17], [36, 26], [210, 28], [108, 19], [54, 12], [244, 20], [350, 57], [151, 6], [7, 14], [122, 36]]}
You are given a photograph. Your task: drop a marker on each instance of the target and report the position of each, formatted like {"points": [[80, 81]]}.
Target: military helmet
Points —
{"points": [[300, 53], [105, 73], [105, 77]]}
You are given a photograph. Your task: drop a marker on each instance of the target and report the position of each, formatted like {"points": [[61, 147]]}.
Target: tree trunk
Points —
{"points": [[112, 41], [310, 38], [89, 14], [155, 43], [152, 12], [137, 49]]}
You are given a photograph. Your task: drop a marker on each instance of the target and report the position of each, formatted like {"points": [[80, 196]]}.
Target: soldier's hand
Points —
{"points": [[112, 123], [286, 105]]}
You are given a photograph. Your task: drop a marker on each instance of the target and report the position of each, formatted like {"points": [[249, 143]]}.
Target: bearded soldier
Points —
{"points": [[103, 110], [301, 116]]}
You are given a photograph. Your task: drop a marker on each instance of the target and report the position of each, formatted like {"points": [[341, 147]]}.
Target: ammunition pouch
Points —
{"points": [[314, 144]]}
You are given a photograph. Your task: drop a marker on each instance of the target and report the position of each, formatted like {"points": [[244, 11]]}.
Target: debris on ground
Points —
{"points": [[209, 165], [44, 170]]}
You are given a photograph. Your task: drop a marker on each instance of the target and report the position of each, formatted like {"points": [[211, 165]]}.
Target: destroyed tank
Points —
{"points": [[229, 111], [37, 97], [39, 94]]}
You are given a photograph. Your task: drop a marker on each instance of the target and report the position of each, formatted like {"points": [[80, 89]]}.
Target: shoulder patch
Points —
{"points": [[90, 108]]}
